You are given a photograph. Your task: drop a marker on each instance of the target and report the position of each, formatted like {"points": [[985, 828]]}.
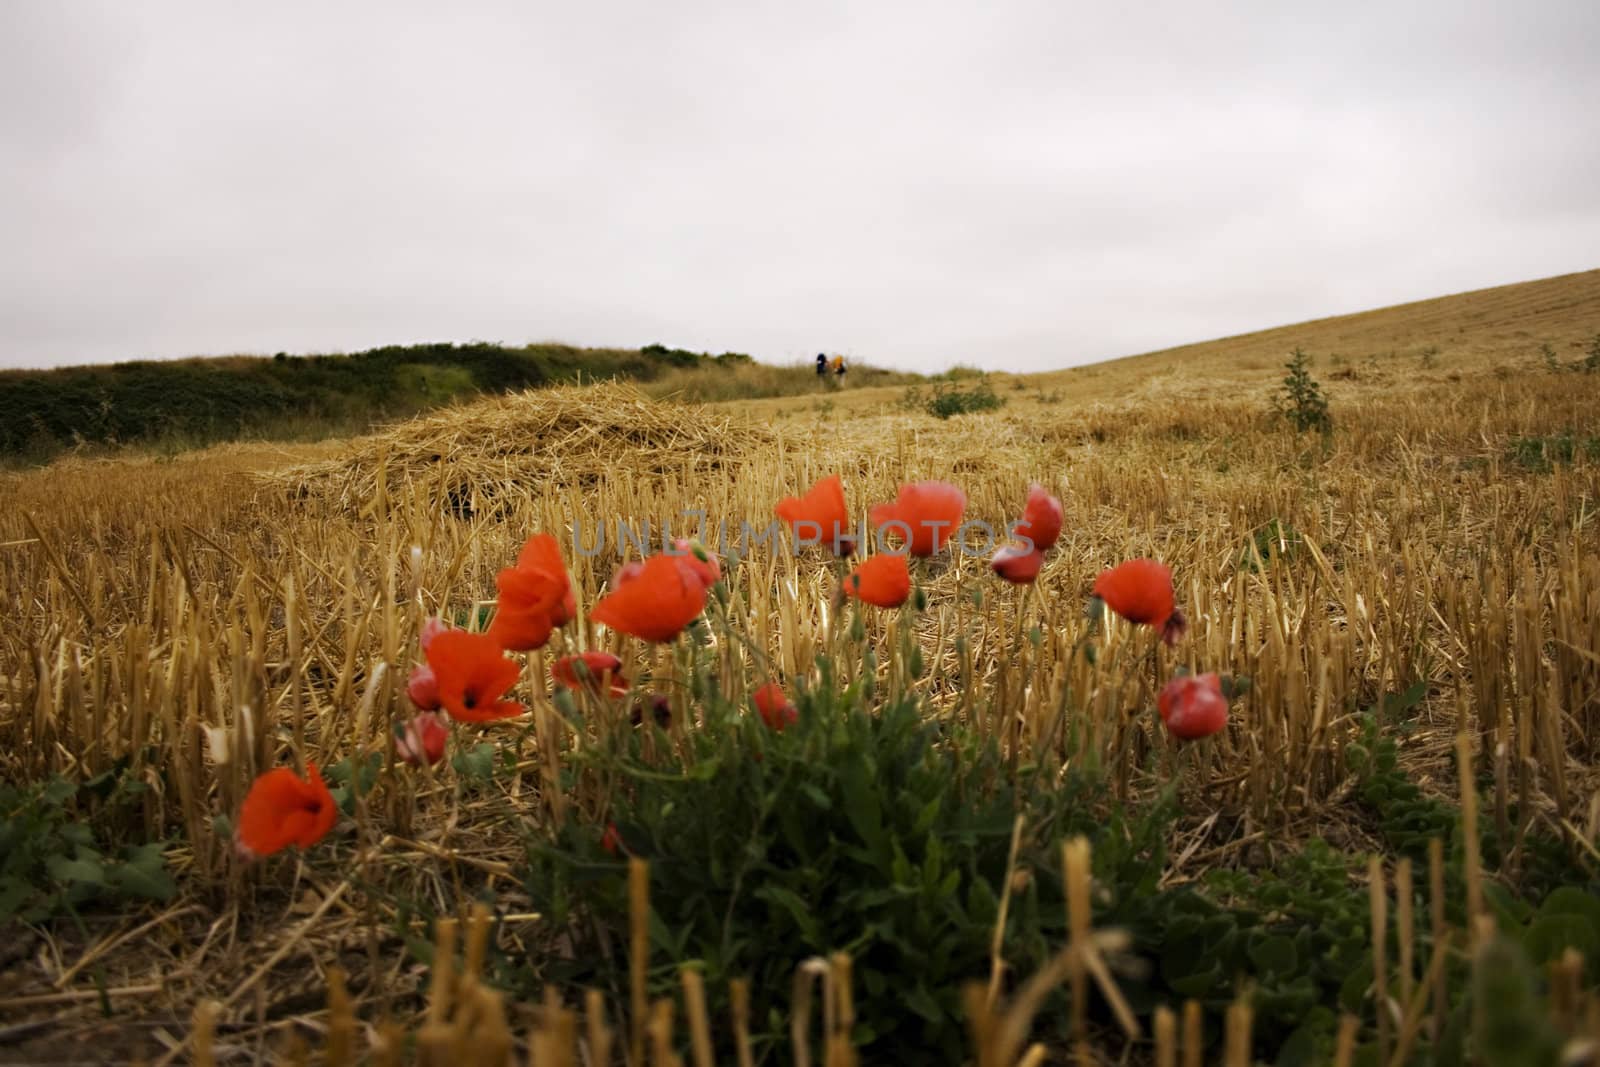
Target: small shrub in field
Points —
{"points": [[1275, 540], [1300, 399], [52, 862], [964, 370], [1544, 453], [1590, 364], [947, 401], [1430, 357]]}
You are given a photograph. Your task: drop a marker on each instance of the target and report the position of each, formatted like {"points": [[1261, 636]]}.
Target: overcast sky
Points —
{"points": [[1017, 185]]}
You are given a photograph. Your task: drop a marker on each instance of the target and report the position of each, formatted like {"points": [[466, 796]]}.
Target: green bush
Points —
{"points": [[962, 371], [875, 833], [1544, 453], [1276, 540], [1300, 399], [950, 400], [53, 861]]}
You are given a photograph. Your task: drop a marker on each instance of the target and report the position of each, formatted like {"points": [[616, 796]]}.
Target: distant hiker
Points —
{"points": [[838, 365], [822, 365]]}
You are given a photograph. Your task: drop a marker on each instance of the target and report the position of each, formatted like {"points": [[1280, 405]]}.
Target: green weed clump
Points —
{"points": [[55, 861], [1300, 399], [947, 401], [1544, 453], [856, 831], [1277, 540]]}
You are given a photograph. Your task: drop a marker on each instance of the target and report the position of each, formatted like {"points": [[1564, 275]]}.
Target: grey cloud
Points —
{"points": [[1022, 185]]}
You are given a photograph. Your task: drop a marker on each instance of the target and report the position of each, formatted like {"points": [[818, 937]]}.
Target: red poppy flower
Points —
{"points": [[1017, 565], [283, 809], [595, 666], [422, 739], [656, 603], [884, 580], [535, 597], [925, 515], [1140, 590], [776, 709], [820, 517], [1193, 706], [1041, 518], [699, 561], [611, 840], [473, 675], [423, 688]]}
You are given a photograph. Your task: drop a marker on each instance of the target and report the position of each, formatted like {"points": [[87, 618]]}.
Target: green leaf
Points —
{"points": [[144, 880], [920, 1001], [1353, 991], [1511, 911], [817, 796], [1305, 1046], [901, 872], [88, 871], [797, 909], [1199, 983], [861, 801], [1570, 900], [475, 764], [14, 892], [1550, 935], [1274, 955]]}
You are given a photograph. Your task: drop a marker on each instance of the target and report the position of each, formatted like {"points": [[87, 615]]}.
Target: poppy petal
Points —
{"points": [[884, 581], [1017, 565], [820, 516], [1192, 706], [473, 674], [925, 515], [656, 604], [283, 809], [1139, 590], [1041, 518]]}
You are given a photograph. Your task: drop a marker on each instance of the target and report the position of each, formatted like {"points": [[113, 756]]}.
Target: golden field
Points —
{"points": [[188, 622]]}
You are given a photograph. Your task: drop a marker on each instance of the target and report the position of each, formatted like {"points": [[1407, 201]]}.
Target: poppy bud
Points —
{"points": [[421, 740], [423, 688], [1193, 706], [1017, 566], [777, 711]]}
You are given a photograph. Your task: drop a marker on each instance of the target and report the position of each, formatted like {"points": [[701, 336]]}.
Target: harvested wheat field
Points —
{"points": [[1325, 795]]}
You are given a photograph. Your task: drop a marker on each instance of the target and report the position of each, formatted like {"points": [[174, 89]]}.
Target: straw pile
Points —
{"points": [[481, 455]]}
